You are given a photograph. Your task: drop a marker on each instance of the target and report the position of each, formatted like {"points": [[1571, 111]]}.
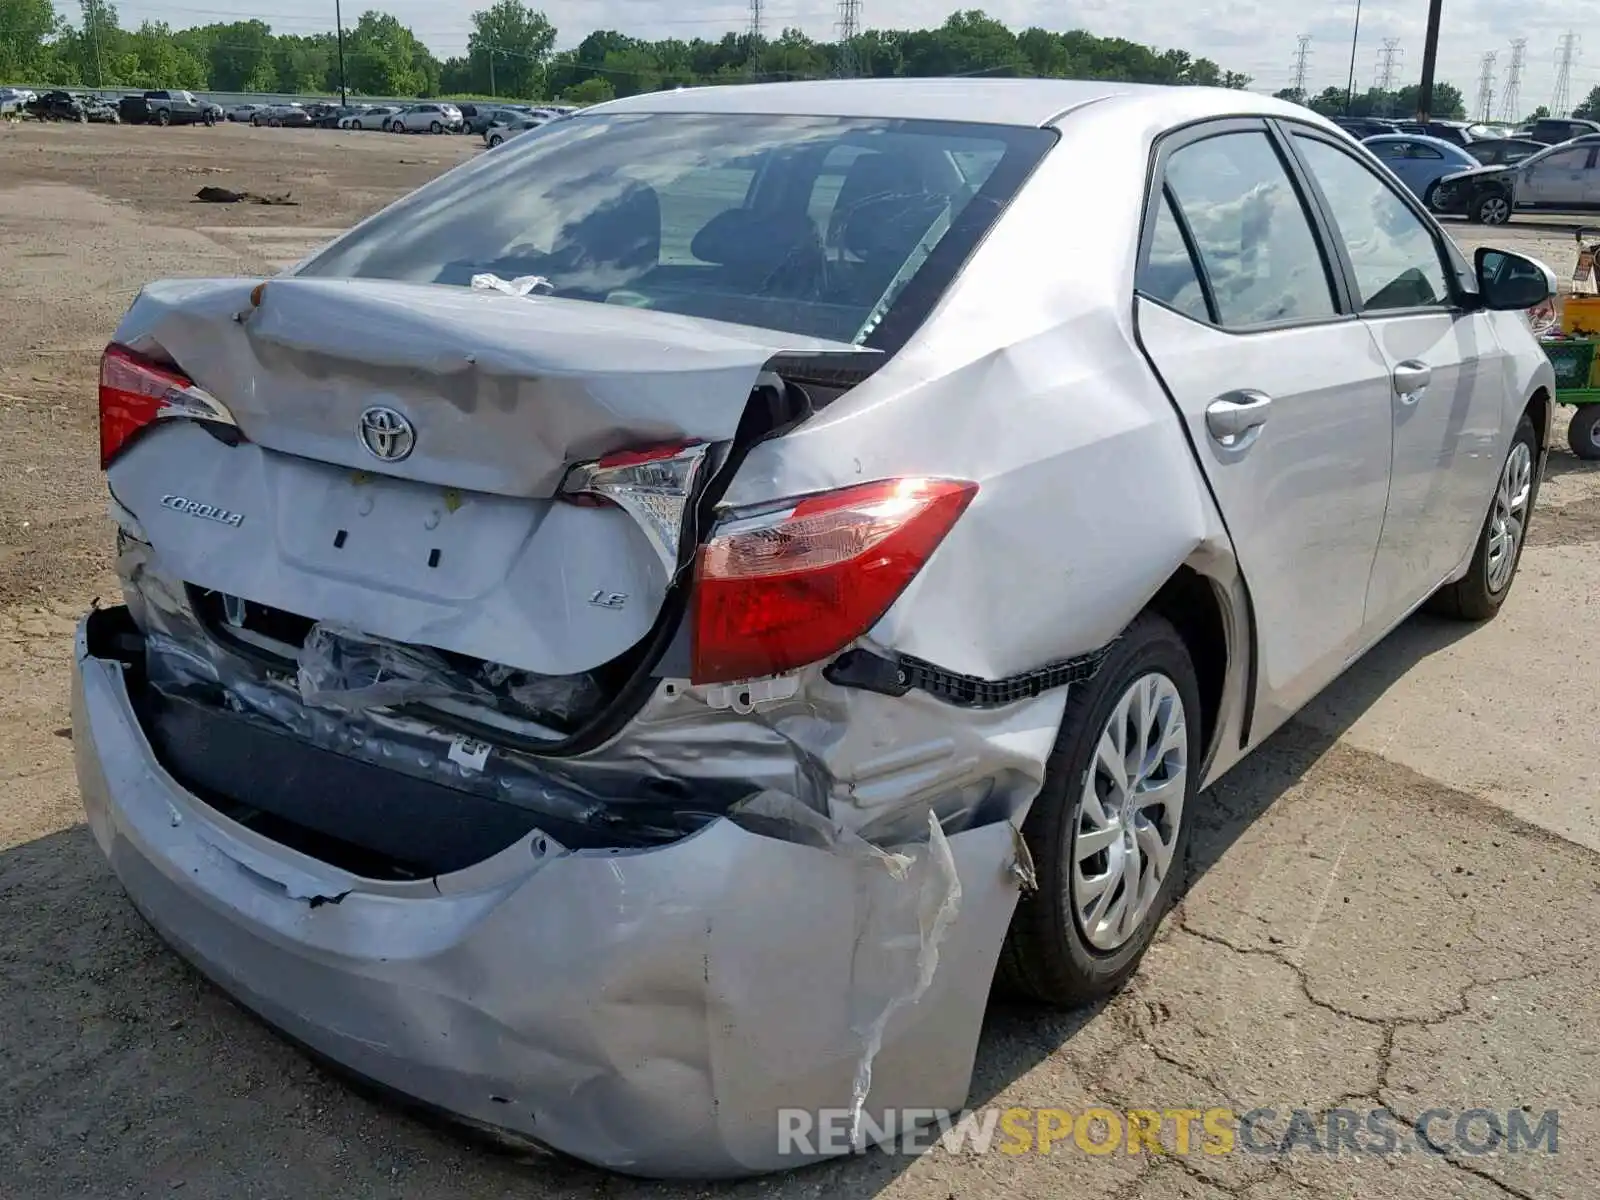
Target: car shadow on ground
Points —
{"points": [[80, 959]]}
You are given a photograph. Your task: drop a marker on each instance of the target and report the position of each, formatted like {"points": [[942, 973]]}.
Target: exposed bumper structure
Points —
{"points": [[650, 1011]]}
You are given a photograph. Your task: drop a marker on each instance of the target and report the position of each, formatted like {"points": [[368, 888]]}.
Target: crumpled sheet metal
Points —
{"points": [[835, 972], [648, 1011]]}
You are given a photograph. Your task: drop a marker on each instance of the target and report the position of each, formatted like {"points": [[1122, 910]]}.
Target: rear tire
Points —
{"points": [[1429, 195], [1478, 594], [1583, 435], [1054, 953], [397, 127], [495, 141]]}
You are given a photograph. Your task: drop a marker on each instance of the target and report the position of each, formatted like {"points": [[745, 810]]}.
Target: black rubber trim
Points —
{"points": [[900, 674], [335, 808]]}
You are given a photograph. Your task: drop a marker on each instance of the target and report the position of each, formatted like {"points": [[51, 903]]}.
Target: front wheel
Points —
{"points": [[210, 119], [1109, 830], [163, 117], [1478, 594], [1493, 208], [1583, 435], [397, 127], [256, 121], [1430, 197], [435, 127], [495, 141]]}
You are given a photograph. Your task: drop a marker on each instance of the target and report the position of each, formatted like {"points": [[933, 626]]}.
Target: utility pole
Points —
{"points": [[753, 61], [1387, 62], [1302, 60], [849, 28], [1350, 87], [1483, 106], [492, 91], [1430, 56], [1510, 96], [1566, 51], [338, 21]]}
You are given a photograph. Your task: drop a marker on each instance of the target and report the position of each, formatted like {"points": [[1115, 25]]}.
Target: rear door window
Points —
{"points": [[1250, 230]]}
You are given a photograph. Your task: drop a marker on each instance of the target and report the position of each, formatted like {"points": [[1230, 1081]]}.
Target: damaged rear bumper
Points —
{"points": [[647, 1010]]}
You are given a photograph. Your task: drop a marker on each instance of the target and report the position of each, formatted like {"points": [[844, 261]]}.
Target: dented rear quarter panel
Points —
{"points": [[1027, 378]]}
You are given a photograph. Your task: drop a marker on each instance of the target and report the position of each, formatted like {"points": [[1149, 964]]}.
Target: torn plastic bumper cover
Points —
{"points": [[641, 985]]}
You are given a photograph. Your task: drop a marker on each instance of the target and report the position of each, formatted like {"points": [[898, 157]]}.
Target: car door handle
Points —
{"points": [[1235, 418], [1411, 379]]}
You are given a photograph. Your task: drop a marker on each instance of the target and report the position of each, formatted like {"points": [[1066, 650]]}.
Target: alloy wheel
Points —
{"points": [[1510, 516], [1129, 813], [1496, 210]]}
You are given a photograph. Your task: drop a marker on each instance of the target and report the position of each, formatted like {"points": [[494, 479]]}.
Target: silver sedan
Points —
{"points": [[624, 645]]}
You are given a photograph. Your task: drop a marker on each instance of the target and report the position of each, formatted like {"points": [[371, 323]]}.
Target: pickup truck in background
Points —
{"points": [[169, 108]]}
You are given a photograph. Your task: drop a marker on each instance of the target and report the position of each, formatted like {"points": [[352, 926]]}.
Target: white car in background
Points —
{"points": [[376, 117], [14, 99], [426, 118], [243, 112]]}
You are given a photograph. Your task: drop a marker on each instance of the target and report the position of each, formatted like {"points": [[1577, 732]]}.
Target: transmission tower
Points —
{"points": [[1510, 98], [1566, 51], [753, 64], [849, 25], [1388, 65], [1483, 106], [1302, 60]]}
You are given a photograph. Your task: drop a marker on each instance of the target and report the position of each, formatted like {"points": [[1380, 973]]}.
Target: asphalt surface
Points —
{"points": [[1391, 905]]}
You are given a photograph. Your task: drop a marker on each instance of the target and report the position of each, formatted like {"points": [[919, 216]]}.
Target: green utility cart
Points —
{"points": [[1572, 352]]}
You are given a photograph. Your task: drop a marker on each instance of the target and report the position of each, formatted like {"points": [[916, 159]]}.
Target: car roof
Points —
{"points": [[1420, 138], [1025, 102]]}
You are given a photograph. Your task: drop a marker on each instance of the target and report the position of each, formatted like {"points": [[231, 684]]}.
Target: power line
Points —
{"points": [[1302, 59], [1510, 97], [1566, 51], [849, 24], [755, 38], [1388, 64], [1483, 106]]}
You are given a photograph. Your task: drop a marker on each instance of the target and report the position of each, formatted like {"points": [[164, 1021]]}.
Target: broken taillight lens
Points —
{"points": [[653, 486], [776, 592], [135, 392]]}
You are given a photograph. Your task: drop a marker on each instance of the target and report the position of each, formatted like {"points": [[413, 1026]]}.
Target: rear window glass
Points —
{"points": [[817, 226]]}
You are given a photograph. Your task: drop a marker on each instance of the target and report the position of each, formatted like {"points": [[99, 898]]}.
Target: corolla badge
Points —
{"points": [[197, 508], [387, 434]]}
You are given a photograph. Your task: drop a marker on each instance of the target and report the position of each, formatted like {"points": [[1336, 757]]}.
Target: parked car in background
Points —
{"points": [[242, 112], [57, 106], [427, 118], [367, 116], [1563, 177], [504, 131], [483, 117], [1554, 130], [1361, 128], [1458, 133], [169, 108], [14, 99], [100, 111], [1420, 161], [1498, 152], [276, 116], [607, 717]]}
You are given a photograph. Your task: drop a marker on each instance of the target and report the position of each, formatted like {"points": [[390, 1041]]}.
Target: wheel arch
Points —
{"points": [[1213, 620], [1541, 410]]}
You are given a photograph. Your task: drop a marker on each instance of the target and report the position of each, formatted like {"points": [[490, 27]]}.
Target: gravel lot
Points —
{"points": [[1392, 904]]}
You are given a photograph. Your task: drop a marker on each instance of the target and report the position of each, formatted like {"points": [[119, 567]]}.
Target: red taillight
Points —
{"points": [[772, 594], [133, 392]]}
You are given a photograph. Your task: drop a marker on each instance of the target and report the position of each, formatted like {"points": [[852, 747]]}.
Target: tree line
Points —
{"points": [[511, 53]]}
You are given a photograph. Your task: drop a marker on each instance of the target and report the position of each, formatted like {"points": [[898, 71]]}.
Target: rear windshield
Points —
{"points": [[827, 227]]}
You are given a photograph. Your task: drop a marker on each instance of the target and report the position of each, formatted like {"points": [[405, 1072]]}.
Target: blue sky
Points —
{"points": [[1257, 38]]}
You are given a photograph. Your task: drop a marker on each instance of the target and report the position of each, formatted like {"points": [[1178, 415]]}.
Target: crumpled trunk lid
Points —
{"points": [[459, 544]]}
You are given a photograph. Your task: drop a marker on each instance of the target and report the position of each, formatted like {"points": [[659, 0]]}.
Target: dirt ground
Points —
{"points": [[1392, 905]]}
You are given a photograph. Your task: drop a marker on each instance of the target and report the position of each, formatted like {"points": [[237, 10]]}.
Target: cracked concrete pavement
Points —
{"points": [[1390, 905]]}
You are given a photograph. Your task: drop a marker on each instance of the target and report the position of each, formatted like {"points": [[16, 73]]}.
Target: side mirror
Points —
{"points": [[1510, 282]]}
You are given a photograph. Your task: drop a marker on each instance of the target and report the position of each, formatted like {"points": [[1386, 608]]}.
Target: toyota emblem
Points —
{"points": [[386, 434]]}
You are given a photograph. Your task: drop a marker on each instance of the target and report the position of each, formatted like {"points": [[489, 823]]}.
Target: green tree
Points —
{"points": [[384, 58], [1541, 112], [27, 30], [591, 91], [1590, 105], [239, 57], [160, 61], [508, 48]]}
